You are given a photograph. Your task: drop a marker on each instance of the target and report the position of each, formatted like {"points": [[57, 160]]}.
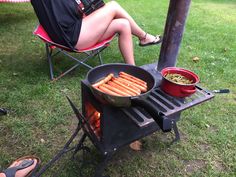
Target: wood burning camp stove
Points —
{"points": [[110, 128]]}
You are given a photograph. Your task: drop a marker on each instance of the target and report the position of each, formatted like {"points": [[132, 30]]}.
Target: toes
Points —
{"points": [[158, 38], [17, 163], [13, 164], [153, 38]]}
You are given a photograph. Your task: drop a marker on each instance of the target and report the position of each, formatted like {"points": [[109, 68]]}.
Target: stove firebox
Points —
{"points": [[116, 128]]}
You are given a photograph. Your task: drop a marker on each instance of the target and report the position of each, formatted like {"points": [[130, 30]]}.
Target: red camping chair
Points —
{"points": [[50, 46], [14, 1]]}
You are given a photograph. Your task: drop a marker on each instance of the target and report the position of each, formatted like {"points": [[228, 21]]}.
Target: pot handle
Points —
{"points": [[186, 91], [163, 122]]}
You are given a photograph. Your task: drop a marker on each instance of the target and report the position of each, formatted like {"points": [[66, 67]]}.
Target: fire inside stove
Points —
{"points": [[94, 119]]}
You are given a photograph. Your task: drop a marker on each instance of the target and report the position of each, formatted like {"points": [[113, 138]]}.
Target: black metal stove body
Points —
{"points": [[118, 127], [121, 126]]}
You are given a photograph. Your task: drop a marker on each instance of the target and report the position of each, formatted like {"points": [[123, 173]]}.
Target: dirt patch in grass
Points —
{"points": [[9, 144], [183, 136], [230, 100], [213, 129], [191, 166], [204, 147], [219, 166], [8, 50], [73, 122], [165, 137]]}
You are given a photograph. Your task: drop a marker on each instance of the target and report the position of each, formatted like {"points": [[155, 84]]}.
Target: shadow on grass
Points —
{"points": [[9, 19]]}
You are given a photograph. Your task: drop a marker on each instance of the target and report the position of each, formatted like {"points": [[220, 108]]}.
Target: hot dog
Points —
{"points": [[127, 86], [133, 80], [103, 81], [98, 89], [123, 89], [143, 89], [120, 92], [133, 77], [105, 90]]}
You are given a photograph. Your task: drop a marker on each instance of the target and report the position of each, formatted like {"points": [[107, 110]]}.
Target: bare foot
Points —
{"points": [[22, 172]]}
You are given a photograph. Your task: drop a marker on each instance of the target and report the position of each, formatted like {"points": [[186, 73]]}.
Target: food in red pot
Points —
{"points": [[178, 82]]}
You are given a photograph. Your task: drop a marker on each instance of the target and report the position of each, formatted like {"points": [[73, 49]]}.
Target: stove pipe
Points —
{"points": [[174, 28]]}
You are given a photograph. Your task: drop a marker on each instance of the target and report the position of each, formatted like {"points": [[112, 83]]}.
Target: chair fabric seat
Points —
{"points": [[40, 32], [14, 1], [90, 52]]}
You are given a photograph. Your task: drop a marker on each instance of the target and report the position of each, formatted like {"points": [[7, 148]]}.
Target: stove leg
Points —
{"points": [[101, 167], [80, 146], [176, 131]]}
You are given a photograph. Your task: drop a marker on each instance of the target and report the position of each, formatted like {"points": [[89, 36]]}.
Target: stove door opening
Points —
{"points": [[93, 117]]}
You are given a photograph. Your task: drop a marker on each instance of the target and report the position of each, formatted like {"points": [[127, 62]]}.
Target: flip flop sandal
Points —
{"points": [[11, 171], [151, 43]]}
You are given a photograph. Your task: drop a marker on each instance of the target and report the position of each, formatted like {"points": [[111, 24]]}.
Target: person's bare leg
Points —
{"points": [[95, 25], [122, 27], [91, 35], [135, 28], [125, 42], [121, 13]]}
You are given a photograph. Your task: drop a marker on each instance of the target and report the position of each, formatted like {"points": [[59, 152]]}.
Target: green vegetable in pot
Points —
{"points": [[178, 79]]}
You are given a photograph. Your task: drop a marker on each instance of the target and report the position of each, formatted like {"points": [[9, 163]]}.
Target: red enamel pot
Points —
{"points": [[175, 89]]}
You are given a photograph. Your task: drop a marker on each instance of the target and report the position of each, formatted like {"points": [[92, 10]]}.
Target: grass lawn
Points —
{"points": [[40, 120]]}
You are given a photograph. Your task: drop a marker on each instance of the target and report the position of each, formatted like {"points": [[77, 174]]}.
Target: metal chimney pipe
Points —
{"points": [[174, 28]]}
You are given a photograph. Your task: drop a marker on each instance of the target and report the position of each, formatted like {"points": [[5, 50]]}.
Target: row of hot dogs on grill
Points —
{"points": [[122, 85]]}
